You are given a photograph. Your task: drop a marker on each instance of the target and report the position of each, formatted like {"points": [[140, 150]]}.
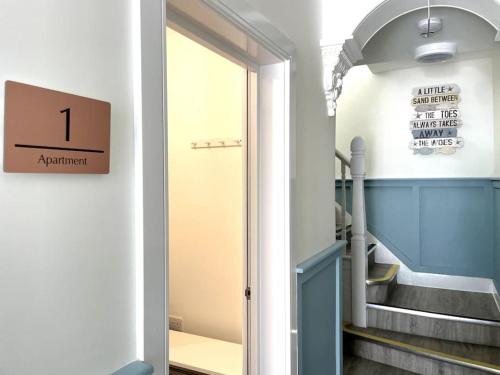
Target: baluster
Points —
{"points": [[358, 228], [344, 202]]}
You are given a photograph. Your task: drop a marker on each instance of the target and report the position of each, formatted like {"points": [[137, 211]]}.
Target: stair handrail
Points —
{"points": [[343, 159]]}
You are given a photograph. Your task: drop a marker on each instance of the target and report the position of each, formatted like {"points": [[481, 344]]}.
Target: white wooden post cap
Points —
{"points": [[358, 158], [358, 145]]}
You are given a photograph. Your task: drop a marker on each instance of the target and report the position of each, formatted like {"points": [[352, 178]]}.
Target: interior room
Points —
{"points": [[207, 116]]}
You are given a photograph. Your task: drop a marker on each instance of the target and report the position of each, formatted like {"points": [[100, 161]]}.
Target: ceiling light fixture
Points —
{"points": [[435, 52]]}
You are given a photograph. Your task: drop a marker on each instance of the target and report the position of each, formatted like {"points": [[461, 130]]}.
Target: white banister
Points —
{"points": [[344, 162], [344, 202], [358, 228], [342, 158]]}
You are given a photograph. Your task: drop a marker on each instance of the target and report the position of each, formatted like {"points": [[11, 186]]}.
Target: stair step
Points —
{"points": [[360, 366], [382, 273], [381, 282], [444, 301], [428, 324], [423, 355]]}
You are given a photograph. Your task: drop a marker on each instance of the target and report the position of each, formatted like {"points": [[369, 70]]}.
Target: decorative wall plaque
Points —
{"points": [[449, 88], [436, 120], [48, 131], [435, 99]]}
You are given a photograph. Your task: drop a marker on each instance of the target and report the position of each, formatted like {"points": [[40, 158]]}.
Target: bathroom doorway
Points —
{"points": [[209, 290]]}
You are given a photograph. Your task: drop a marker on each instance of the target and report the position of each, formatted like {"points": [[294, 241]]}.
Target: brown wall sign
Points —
{"points": [[48, 131]]}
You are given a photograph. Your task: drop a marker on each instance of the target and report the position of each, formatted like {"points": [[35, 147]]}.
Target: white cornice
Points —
{"points": [[337, 60]]}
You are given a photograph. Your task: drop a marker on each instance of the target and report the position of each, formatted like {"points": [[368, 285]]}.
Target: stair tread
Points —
{"points": [[470, 352], [444, 301], [379, 270], [359, 366]]}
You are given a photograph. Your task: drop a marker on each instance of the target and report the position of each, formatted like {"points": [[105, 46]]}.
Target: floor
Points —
{"points": [[359, 366], [203, 355], [443, 301]]}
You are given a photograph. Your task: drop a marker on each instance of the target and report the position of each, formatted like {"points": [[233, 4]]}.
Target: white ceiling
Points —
{"points": [[393, 47]]}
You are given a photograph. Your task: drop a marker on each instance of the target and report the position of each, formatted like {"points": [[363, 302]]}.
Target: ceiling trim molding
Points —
{"points": [[337, 60]]}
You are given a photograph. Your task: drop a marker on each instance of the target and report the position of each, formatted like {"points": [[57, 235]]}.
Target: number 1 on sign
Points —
{"points": [[68, 121]]}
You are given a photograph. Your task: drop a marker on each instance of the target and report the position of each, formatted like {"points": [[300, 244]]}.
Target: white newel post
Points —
{"points": [[358, 241], [337, 60]]}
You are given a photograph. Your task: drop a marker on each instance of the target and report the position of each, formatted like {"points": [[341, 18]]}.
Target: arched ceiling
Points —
{"points": [[393, 46], [389, 10]]}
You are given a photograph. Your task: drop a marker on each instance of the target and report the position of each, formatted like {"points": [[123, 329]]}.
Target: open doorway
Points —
{"points": [[208, 234], [239, 34]]}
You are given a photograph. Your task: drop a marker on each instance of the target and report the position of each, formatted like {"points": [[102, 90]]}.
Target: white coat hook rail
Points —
{"points": [[217, 143]]}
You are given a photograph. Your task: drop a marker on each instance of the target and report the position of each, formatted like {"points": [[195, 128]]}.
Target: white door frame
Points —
{"points": [[271, 352], [151, 235]]}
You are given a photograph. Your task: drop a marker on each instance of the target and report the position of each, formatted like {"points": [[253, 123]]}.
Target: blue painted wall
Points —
{"points": [[444, 226], [319, 312], [496, 187]]}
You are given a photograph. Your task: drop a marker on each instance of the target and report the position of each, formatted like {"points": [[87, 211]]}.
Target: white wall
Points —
{"points": [[306, 23], [66, 241], [340, 18], [312, 217], [207, 99], [377, 106], [312, 147]]}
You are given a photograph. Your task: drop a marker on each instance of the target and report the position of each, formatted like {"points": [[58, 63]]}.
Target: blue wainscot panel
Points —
{"points": [[455, 229], [443, 226], [319, 307], [389, 217], [496, 187]]}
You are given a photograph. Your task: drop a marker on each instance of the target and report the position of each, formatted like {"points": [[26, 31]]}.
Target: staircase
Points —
{"points": [[411, 329]]}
